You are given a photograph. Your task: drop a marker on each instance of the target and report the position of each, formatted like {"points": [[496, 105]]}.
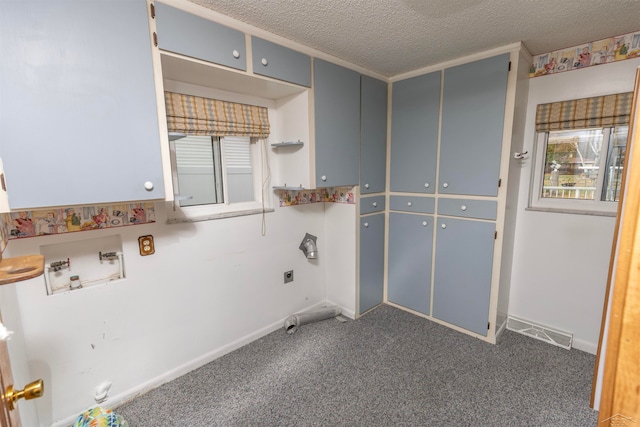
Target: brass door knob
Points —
{"points": [[31, 391]]}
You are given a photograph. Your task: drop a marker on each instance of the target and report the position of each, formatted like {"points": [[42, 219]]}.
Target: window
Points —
{"points": [[219, 161], [579, 169], [579, 154], [215, 175]]}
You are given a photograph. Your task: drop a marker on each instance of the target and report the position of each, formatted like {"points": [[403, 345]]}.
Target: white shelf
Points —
{"points": [[288, 144], [276, 187]]}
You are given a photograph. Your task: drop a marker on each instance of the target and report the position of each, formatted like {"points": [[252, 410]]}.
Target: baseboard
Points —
{"points": [[118, 399], [501, 328], [586, 346], [347, 313]]}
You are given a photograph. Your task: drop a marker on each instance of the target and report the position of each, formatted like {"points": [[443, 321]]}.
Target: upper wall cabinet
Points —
{"points": [[473, 108], [279, 62], [373, 135], [337, 124], [415, 110], [79, 122], [190, 35]]}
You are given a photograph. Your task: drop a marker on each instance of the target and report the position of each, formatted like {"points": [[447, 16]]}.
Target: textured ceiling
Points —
{"points": [[395, 36]]}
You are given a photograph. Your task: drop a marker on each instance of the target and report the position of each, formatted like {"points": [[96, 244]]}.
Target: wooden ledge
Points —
{"points": [[20, 268]]}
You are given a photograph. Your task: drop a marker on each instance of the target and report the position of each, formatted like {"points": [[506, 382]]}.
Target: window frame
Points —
{"points": [[575, 206], [225, 209]]}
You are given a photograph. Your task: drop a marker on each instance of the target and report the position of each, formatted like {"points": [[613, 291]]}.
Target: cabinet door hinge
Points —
{"points": [[488, 325], [499, 182], [2, 183], [152, 11], [509, 65], [495, 235], [155, 39]]}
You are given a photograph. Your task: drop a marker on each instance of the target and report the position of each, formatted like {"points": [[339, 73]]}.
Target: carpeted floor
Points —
{"points": [[389, 368]]}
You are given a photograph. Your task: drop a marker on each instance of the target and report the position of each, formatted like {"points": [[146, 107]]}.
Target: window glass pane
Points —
{"points": [[198, 166], [571, 164], [239, 169], [615, 162]]}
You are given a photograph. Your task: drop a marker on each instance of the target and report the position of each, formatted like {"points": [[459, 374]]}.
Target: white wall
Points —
{"points": [[561, 261], [340, 256], [209, 287]]}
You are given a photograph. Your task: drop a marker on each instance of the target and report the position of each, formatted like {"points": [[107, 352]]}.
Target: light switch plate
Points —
{"points": [[146, 245]]}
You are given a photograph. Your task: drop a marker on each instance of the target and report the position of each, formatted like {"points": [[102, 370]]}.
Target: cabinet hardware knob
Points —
{"points": [[444, 226], [445, 184], [366, 186], [426, 185], [323, 177], [366, 225], [264, 62], [236, 54], [409, 204], [424, 223], [375, 204], [463, 207], [148, 185]]}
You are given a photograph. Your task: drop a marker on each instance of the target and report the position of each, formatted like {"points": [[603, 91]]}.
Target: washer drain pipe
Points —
{"points": [[294, 321]]}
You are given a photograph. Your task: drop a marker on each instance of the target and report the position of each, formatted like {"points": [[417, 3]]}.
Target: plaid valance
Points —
{"points": [[599, 111], [194, 115]]}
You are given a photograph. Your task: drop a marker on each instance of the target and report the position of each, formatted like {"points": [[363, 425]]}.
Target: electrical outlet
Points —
{"points": [[146, 245], [288, 276]]}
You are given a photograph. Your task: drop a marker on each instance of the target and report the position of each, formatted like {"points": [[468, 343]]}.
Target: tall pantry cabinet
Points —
{"points": [[452, 174], [373, 161]]}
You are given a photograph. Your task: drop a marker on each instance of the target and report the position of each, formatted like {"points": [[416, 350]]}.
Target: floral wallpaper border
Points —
{"points": [[599, 52], [43, 222], [3, 235], [305, 197]]}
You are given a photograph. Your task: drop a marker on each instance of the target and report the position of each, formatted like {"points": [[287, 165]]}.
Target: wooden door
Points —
{"points": [[619, 404], [8, 418]]}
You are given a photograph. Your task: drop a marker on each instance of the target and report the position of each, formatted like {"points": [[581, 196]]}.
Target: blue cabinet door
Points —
{"points": [[191, 35], [473, 108], [462, 277], [79, 122], [371, 261], [372, 204], [410, 252], [336, 93], [415, 109], [279, 62], [373, 135]]}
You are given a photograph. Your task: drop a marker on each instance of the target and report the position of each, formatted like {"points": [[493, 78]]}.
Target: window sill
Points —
{"points": [[219, 215], [572, 211]]}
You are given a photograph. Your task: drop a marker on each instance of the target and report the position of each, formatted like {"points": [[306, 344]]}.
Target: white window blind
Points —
{"points": [[237, 154], [194, 152], [239, 169]]}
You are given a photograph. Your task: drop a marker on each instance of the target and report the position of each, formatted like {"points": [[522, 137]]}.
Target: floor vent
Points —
{"points": [[542, 333]]}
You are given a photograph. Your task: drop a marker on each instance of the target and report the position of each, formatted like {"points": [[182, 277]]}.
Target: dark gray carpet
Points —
{"points": [[389, 368]]}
